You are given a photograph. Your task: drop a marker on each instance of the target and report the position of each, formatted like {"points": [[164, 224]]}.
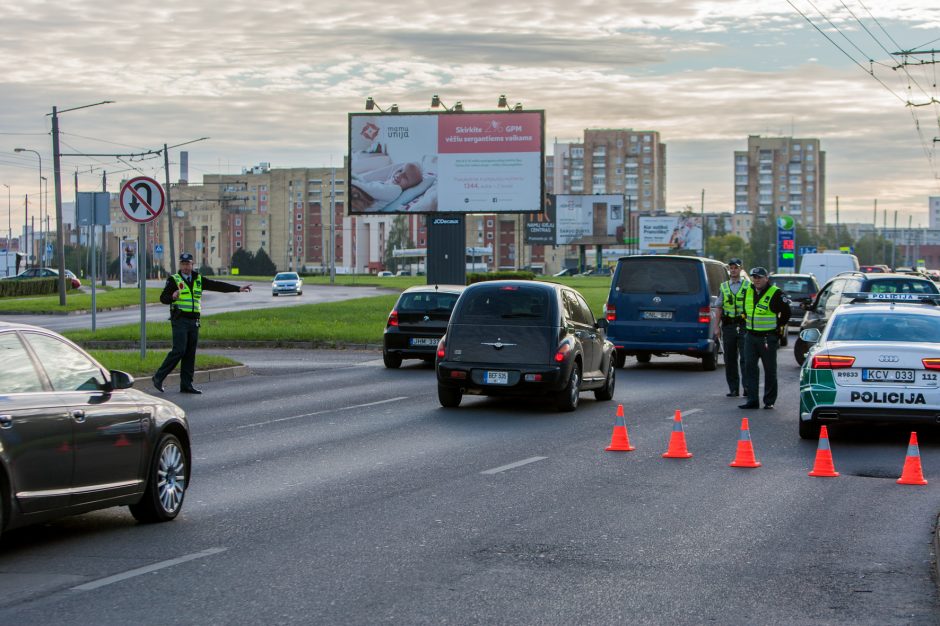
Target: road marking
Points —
{"points": [[684, 413], [497, 470], [101, 582], [315, 413]]}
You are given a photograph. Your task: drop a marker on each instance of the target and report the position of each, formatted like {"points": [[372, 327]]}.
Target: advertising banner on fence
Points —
{"points": [[665, 234], [578, 220], [481, 162]]}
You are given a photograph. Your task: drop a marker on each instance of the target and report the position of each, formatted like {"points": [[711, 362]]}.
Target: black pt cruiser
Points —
{"points": [[524, 338]]}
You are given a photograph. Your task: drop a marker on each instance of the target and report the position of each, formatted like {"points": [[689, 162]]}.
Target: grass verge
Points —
{"points": [[129, 361], [77, 301]]}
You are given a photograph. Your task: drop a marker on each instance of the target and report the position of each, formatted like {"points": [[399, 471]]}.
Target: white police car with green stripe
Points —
{"points": [[877, 360]]}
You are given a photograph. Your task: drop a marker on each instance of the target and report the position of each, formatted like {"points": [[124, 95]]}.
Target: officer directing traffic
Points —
{"points": [[183, 292], [766, 311], [732, 325]]}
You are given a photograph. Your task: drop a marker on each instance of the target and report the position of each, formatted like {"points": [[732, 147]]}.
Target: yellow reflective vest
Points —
{"points": [[189, 298], [759, 317]]}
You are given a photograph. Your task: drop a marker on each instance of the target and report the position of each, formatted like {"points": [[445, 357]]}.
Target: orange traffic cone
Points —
{"points": [[912, 473], [619, 441], [745, 454], [823, 466], [677, 448]]}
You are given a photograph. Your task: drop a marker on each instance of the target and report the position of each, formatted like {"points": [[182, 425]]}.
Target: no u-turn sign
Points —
{"points": [[142, 199]]}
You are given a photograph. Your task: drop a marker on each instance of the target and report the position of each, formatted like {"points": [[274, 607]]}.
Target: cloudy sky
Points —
{"points": [[274, 83]]}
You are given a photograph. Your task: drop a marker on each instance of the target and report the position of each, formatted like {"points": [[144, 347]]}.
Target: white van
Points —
{"points": [[825, 265]]}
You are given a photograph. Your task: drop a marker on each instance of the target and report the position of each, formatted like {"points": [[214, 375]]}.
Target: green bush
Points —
{"points": [[31, 287], [479, 277]]}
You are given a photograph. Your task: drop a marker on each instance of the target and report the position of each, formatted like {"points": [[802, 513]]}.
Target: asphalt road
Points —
{"points": [[327, 489], [212, 302]]}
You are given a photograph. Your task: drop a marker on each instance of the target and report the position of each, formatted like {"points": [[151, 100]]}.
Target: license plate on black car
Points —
{"points": [[496, 378], [423, 341]]}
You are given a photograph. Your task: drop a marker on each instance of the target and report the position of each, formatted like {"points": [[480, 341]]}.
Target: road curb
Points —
{"points": [[220, 345], [936, 553], [172, 381]]}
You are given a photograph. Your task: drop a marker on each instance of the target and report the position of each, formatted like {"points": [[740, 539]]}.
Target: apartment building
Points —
{"points": [[781, 176]]}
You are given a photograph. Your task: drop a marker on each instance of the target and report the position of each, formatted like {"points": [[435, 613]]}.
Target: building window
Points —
{"points": [[238, 233], [238, 244], [238, 221], [300, 227], [489, 223], [300, 216], [489, 235]]}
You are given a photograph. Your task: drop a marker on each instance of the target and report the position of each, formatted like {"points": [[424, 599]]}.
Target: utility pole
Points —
{"points": [[894, 242], [169, 214], [838, 228], [333, 226]]}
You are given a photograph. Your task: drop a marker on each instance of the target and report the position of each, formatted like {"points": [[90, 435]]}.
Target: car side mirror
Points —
{"points": [[602, 323], [806, 304], [121, 380], [810, 335]]}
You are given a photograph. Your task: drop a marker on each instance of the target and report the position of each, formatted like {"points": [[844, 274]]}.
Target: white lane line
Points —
{"points": [[497, 470], [342, 408], [101, 582], [684, 413]]}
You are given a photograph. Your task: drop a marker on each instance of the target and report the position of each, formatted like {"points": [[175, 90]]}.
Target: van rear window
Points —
{"points": [[663, 276]]}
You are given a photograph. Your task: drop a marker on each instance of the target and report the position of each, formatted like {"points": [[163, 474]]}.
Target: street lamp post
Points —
{"points": [[38, 156], [9, 217]]}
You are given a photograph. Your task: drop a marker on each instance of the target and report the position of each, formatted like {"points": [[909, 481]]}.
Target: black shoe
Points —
{"points": [[731, 394], [749, 405], [157, 384], [768, 406], [189, 390]]}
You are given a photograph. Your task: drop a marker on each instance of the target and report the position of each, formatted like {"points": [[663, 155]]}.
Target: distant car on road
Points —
{"points": [[417, 322], [799, 288], [524, 338], [75, 437], [46, 272], [877, 361], [287, 282], [384, 274]]}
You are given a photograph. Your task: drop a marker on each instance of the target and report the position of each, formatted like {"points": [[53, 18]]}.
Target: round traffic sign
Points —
{"points": [[142, 199]]}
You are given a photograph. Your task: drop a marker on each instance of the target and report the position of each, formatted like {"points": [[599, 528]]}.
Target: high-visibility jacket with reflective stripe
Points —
{"points": [[758, 314], [189, 298], [732, 304]]}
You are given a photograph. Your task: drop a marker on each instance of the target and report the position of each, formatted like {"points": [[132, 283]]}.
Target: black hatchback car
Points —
{"points": [[75, 437], [524, 338], [835, 292], [417, 322]]}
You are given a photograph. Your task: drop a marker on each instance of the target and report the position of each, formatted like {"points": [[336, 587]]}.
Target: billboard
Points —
{"points": [[578, 220], [128, 258], [667, 234], [480, 162]]}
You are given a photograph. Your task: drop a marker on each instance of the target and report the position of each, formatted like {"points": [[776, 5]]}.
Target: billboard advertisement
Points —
{"points": [[128, 257], [578, 220], [667, 234], [480, 162]]}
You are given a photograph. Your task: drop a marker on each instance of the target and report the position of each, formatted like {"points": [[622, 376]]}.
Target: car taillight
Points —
{"points": [[610, 312], [562, 352], [704, 315], [931, 364], [393, 318], [832, 362], [441, 350]]}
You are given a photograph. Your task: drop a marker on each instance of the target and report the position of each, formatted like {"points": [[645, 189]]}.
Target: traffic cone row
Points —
{"points": [[823, 466]]}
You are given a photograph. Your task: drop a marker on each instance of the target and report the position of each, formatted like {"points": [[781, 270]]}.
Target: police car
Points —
{"points": [[877, 360]]}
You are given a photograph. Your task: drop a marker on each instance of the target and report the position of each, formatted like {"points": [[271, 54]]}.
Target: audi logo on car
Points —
{"points": [[888, 358]]}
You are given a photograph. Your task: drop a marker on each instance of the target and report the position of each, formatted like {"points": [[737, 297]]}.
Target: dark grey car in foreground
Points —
{"points": [[76, 437], [524, 338]]}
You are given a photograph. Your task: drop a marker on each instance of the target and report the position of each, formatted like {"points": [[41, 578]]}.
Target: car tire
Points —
{"points": [[392, 360], [809, 429], [274, 295], [644, 357], [567, 399], [710, 361], [607, 391], [449, 397], [620, 359], [800, 348], [167, 479]]}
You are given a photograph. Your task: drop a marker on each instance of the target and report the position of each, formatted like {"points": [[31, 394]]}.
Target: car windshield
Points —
{"points": [[422, 302], [900, 327], [663, 276], [794, 287], [286, 276], [902, 285], [506, 305]]}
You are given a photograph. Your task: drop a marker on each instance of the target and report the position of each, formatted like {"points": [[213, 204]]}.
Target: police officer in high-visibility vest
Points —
{"points": [[766, 311], [183, 292], [732, 326]]}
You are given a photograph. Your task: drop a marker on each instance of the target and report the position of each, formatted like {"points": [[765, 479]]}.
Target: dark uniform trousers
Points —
{"points": [[185, 339], [760, 348], [732, 340]]}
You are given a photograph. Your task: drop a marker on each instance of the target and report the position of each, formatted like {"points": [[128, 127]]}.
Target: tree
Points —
{"points": [[763, 245], [726, 247], [263, 265], [243, 260], [398, 238]]}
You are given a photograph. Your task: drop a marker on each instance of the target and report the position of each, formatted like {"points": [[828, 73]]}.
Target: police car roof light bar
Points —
{"points": [[922, 298]]}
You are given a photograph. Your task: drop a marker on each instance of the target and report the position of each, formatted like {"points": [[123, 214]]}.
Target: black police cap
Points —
{"points": [[186, 257]]}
